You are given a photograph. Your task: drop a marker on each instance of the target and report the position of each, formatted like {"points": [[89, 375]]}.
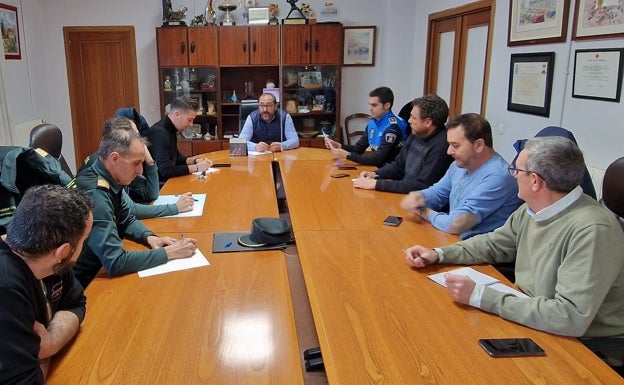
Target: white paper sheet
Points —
{"points": [[197, 260], [198, 206], [258, 152], [480, 278]]}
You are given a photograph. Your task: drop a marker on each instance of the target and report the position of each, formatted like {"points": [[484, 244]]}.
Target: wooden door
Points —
{"points": [[203, 48], [102, 76], [326, 44], [172, 46], [233, 46], [457, 59], [264, 42], [295, 44]]}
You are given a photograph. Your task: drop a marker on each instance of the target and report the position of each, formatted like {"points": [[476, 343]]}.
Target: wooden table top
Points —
{"points": [[381, 322], [228, 323]]}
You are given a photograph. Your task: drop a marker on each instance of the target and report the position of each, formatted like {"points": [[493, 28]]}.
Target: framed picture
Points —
{"points": [[359, 46], [537, 21], [310, 79], [530, 83], [10, 32], [259, 15], [594, 19], [197, 98], [598, 74]]}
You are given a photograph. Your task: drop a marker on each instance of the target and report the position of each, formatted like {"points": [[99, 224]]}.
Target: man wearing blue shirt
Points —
{"points": [[385, 133], [477, 187], [269, 128]]}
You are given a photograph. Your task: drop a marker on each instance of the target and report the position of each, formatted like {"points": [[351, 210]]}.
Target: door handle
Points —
{"points": [[192, 47], [244, 46], [307, 45], [253, 46], [316, 45], [182, 47]]}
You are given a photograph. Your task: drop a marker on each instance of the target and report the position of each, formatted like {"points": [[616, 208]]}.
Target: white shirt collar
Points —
{"points": [[557, 207]]}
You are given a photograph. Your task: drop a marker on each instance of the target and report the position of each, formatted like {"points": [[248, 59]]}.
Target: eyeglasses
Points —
{"points": [[513, 171], [268, 105]]}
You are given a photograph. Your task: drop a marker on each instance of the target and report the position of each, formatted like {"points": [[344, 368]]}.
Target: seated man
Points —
{"points": [[120, 160], [163, 141], [385, 133], [41, 302], [269, 128], [569, 251], [477, 186], [423, 160]]}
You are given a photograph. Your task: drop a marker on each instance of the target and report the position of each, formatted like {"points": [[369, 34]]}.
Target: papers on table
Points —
{"points": [[198, 206], [479, 278], [208, 171], [198, 259], [259, 152]]}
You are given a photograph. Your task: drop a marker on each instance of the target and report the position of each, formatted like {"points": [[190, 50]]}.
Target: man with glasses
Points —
{"points": [[568, 251], [477, 187], [269, 128]]}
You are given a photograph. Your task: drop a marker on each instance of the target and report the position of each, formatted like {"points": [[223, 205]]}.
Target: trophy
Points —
{"points": [[227, 6]]}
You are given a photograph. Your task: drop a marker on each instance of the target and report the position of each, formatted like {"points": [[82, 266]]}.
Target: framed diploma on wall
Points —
{"points": [[598, 74], [530, 83]]}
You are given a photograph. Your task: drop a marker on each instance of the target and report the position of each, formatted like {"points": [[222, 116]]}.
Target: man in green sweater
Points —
{"points": [[568, 251]]}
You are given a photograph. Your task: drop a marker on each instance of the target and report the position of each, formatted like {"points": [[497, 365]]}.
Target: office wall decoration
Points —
{"points": [[598, 74], [9, 26], [537, 22], [598, 19], [530, 83], [359, 46]]}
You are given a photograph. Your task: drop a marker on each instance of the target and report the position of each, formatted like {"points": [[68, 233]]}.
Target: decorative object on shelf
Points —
{"points": [[309, 13], [270, 83], [173, 18], [291, 79], [259, 15], [227, 6], [273, 12], [598, 74], [198, 99], [209, 83], [198, 20], [294, 20], [234, 98], [210, 15], [291, 107], [225, 96], [184, 83], [249, 87], [211, 107], [359, 46], [530, 82], [167, 84], [326, 127], [328, 14], [598, 19], [10, 31], [319, 103], [533, 23], [310, 79]]}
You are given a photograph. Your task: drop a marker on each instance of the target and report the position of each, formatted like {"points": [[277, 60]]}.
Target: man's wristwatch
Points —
{"points": [[196, 168], [195, 160]]}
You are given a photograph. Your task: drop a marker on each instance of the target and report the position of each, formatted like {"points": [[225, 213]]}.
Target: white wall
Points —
{"points": [[400, 64]]}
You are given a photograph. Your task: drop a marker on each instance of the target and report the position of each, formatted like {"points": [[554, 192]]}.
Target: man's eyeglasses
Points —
{"points": [[268, 105], [513, 171]]}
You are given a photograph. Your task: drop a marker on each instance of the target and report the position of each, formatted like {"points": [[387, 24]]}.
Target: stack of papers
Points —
{"points": [[479, 278]]}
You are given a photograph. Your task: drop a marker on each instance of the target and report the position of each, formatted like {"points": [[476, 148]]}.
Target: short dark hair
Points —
{"points": [[384, 94], [475, 127], [47, 217], [183, 103], [434, 107], [271, 95]]}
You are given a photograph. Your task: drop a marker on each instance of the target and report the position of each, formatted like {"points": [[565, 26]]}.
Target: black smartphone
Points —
{"points": [[221, 165], [347, 168], [392, 221], [340, 175], [511, 347]]}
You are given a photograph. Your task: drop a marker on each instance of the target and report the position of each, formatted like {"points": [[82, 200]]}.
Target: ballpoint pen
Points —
{"points": [[196, 200]]}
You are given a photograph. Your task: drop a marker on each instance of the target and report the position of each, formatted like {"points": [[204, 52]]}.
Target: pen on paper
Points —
{"points": [[196, 200]]}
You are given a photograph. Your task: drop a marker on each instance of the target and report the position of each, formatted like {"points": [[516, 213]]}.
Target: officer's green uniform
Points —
{"points": [[112, 221]]}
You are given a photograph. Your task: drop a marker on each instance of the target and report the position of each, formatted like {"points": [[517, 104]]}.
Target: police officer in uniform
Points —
{"points": [[121, 156], [385, 133]]}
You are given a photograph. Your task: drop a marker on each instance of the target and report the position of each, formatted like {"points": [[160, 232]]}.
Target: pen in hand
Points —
{"points": [[196, 200]]}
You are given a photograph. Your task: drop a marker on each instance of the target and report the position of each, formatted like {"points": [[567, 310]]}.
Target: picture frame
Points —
{"points": [[259, 15], [359, 46], [9, 21], [198, 98], [598, 19], [530, 83], [546, 23], [310, 79], [598, 74]]}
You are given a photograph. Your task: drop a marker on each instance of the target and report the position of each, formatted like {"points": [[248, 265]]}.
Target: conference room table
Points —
{"points": [[378, 320]]}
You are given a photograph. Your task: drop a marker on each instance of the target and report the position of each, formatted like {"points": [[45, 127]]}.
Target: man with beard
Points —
{"points": [[41, 302], [269, 128]]}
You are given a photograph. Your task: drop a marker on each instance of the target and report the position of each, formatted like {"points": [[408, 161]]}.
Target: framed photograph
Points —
{"points": [[537, 21], [359, 46], [598, 74], [530, 83], [598, 19], [10, 32], [259, 15], [310, 79], [197, 98]]}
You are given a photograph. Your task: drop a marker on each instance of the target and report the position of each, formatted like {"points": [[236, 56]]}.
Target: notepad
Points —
{"points": [[479, 278]]}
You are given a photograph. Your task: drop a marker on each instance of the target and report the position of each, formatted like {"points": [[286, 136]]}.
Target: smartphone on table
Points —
{"points": [[392, 221], [511, 347]]}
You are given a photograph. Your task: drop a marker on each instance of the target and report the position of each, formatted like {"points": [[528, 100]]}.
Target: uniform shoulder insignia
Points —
{"points": [[393, 120], [41, 152], [102, 183], [390, 137]]}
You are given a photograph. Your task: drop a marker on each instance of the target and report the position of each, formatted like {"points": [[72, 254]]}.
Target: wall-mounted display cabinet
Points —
{"points": [[211, 64]]}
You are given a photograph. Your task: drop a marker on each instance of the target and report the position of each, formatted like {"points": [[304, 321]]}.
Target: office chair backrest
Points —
{"points": [[405, 111], [586, 182], [355, 126], [49, 138], [613, 188], [244, 110]]}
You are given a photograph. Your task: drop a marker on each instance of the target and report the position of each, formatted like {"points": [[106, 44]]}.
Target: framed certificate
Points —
{"points": [[530, 83], [598, 74]]}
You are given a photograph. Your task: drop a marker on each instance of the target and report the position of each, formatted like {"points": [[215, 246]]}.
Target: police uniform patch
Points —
{"points": [[102, 183], [41, 152], [390, 137], [393, 120]]}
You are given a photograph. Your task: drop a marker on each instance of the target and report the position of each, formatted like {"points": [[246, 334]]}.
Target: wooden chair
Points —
{"points": [[355, 126]]}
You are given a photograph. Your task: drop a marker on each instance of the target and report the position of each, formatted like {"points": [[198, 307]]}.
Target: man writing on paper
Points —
{"points": [[568, 250], [269, 128], [120, 160]]}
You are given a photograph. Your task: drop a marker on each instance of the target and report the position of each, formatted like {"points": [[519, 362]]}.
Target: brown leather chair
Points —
{"points": [[50, 138], [355, 126]]}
